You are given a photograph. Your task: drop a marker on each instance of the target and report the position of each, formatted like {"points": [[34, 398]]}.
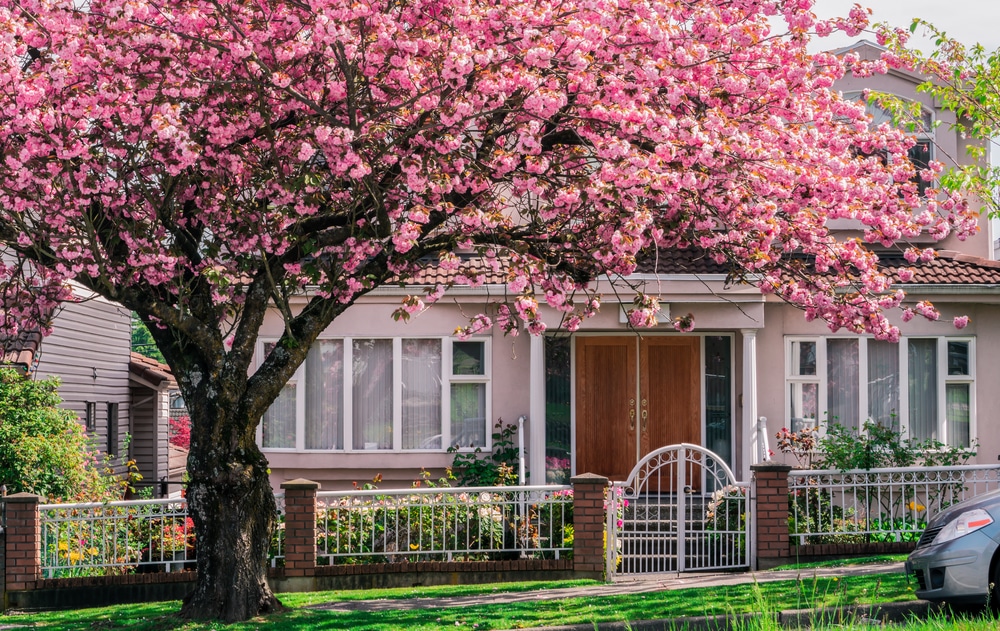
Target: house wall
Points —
{"points": [[337, 470], [150, 432], [510, 372], [950, 148], [984, 327], [88, 351]]}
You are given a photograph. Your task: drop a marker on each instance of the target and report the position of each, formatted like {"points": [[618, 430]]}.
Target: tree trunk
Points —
{"points": [[234, 511]]}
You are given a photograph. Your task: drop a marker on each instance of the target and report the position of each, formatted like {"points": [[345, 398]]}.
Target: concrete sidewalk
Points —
{"points": [[631, 585]]}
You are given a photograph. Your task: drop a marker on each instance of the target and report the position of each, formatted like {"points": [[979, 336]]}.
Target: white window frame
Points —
{"points": [[447, 379], [451, 378], [943, 378]]}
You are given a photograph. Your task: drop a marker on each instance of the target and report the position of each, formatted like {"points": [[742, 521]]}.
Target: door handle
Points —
{"points": [[645, 417], [631, 415]]}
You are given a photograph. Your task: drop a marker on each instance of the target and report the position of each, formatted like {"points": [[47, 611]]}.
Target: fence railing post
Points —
{"points": [[24, 542], [588, 523], [300, 527], [770, 498]]}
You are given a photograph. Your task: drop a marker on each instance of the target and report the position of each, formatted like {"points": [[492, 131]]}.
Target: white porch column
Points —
{"points": [[536, 411], [751, 446]]}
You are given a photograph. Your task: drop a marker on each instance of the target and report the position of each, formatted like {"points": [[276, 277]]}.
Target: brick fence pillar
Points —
{"points": [[589, 517], [300, 527], [24, 542], [770, 496]]}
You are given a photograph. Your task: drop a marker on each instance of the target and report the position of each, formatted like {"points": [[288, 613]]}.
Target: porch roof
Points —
{"points": [[150, 372]]}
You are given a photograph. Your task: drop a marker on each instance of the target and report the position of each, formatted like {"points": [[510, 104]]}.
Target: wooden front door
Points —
{"points": [[634, 395], [605, 405]]}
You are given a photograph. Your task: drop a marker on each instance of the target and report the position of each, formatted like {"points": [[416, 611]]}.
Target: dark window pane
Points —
{"points": [[468, 358], [958, 358], [557, 410]]}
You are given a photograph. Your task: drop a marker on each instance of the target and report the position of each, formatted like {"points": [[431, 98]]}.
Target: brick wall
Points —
{"points": [[770, 497], [300, 527], [23, 542], [589, 518]]}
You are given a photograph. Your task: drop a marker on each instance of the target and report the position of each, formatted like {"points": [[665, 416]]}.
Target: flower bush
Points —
{"points": [[180, 432], [445, 525]]}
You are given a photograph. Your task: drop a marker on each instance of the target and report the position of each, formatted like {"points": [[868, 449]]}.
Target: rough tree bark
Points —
{"points": [[234, 513]]}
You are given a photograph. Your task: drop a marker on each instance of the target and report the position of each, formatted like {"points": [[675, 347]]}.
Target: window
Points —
{"points": [[90, 415], [922, 129], [371, 394], [924, 385], [112, 428]]}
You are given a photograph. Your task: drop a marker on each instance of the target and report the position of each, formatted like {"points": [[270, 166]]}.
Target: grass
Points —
{"points": [[778, 595], [880, 559]]}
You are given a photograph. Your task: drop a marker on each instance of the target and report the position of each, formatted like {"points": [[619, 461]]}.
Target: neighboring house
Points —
{"points": [[380, 397], [88, 351], [152, 390], [119, 397]]}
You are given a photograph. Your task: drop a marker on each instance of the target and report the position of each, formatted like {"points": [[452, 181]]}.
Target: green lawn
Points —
{"points": [[770, 596], [880, 559]]}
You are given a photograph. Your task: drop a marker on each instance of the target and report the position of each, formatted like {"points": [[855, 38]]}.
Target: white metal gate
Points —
{"points": [[680, 510]]}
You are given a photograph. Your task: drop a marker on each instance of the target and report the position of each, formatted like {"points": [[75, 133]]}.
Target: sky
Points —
{"points": [[969, 21]]}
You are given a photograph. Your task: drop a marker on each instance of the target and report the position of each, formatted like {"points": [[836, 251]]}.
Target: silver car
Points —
{"points": [[956, 558]]}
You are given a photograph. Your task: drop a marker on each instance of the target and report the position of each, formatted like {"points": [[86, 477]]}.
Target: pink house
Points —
{"points": [[380, 397]]}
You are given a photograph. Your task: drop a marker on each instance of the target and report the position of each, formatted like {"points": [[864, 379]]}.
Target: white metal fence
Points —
{"points": [[472, 523], [878, 505], [92, 539], [115, 537]]}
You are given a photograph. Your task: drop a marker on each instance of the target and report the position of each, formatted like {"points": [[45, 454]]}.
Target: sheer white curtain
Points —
{"points": [[468, 414], [923, 388], [842, 374], [278, 424], [325, 395], [958, 396], [883, 383], [804, 389], [372, 394], [957, 405], [421, 394]]}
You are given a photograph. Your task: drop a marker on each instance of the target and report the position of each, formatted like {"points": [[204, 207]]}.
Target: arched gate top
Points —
{"points": [[681, 450]]}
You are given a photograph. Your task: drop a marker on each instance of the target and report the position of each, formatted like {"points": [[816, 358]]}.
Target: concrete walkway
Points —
{"points": [[629, 585]]}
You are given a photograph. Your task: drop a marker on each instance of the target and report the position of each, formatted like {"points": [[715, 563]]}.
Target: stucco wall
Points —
{"points": [[984, 327]]}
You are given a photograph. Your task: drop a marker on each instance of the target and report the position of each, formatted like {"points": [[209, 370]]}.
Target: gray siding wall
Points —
{"points": [[89, 352], [150, 433], [144, 432]]}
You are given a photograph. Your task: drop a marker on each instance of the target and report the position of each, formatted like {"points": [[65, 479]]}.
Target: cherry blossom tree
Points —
{"points": [[964, 79], [202, 162]]}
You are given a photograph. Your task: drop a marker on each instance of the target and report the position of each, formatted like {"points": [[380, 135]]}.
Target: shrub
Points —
{"points": [[43, 449], [180, 432], [497, 468], [883, 446]]}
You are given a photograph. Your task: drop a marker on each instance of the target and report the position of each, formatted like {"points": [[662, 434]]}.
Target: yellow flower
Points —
{"points": [[414, 546], [917, 507], [63, 546], [75, 556], [92, 551]]}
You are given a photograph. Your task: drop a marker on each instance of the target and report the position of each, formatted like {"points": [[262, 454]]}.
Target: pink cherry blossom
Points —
{"points": [[203, 163]]}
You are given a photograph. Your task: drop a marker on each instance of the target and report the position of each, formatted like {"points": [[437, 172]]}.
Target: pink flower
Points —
{"points": [[961, 322]]}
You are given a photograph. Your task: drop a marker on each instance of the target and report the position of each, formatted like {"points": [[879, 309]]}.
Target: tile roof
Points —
{"points": [[434, 275], [150, 370], [21, 351], [948, 268], [679, 261]]}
